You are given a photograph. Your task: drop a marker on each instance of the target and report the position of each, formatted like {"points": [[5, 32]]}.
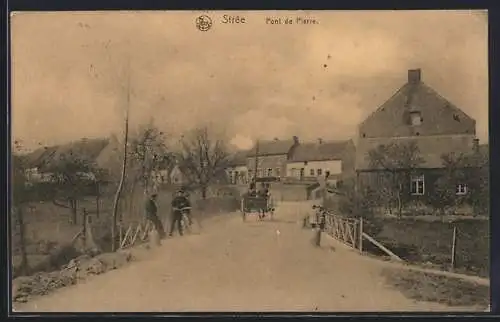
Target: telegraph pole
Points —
{"points": [[256, 159], [124, 164]]}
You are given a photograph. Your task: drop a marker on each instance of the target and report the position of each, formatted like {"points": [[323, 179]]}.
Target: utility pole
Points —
{"points": [[124, 166], [256, 159]]}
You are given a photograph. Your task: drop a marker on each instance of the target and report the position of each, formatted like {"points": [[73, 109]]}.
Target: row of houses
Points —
{"points": [[415, 113], [292, 161], [41, 162], [104, 153]]}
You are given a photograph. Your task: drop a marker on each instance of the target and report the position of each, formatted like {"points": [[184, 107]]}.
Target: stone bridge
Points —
{"points": [[234, 266]]}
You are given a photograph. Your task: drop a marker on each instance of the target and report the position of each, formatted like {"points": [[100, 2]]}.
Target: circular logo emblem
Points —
{"points": [[203, 23]]}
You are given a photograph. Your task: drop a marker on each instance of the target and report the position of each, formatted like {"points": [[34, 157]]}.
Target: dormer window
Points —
{"points": [[415, 118]]}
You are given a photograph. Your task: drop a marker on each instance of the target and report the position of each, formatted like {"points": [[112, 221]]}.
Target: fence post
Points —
{"points": [[454, 247], [120, 233], [318, 237], [361, 234], [84, 228]]}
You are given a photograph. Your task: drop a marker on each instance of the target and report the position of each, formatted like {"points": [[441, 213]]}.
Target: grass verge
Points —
{"points": [[450, 291], [429, 243]]}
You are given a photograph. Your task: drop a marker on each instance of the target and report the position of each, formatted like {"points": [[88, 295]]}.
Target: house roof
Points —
{"points": [[239, 158], [40, 156], [84, 149], [431, 148], [111, 156], [438, 115], [332, 150], [274, 147]]}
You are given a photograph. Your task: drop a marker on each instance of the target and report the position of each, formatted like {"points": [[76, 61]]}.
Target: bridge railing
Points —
{"points": [[346, 230], [349, 231]]}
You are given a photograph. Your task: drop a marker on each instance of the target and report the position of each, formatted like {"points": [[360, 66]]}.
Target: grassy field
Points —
{"points": [[430, 242], [48, 227], [427, 239]]}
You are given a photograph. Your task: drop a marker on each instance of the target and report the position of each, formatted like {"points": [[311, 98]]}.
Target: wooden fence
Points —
{"points": [[349, 231], [129, 234], [134, 233], [346, 230]]}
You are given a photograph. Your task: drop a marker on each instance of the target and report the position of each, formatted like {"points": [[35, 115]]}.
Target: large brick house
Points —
{"points": [[415, 113], [272, 157]]}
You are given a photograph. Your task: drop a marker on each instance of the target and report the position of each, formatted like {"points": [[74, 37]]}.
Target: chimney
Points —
{"points": [[320, 140], [295, 139], [414, 76], [475, 145]]}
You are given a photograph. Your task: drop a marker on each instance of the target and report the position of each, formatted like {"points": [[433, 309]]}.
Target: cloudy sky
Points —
{"points": [[252, 80]]}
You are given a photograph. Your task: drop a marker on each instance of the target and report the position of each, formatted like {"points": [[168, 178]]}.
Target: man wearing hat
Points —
{"points": [[152, 215], [180, 201]]}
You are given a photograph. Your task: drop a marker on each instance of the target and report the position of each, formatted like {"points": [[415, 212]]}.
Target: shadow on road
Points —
{"points": [[284, 221], [258, 223]]}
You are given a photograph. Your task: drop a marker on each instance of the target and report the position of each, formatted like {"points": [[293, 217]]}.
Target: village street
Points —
{"points": [[235, 266]]}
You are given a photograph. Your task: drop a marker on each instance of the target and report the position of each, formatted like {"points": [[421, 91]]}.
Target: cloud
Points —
{"points": [[242, 142], [254, 80]]}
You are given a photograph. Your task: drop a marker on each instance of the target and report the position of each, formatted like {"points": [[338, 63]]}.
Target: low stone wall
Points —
{"points": [[281, 191], [77, 269], [289, 192]]}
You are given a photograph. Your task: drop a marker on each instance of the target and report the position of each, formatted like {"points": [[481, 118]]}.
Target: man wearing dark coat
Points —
{"points": [[152, 215], [180, 201]]}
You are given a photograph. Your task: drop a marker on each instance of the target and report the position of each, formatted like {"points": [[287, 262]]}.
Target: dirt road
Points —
{"points": [[236, 266]]}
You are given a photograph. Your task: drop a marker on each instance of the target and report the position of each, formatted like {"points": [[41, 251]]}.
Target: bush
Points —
{"points": [[349, 203], [57, 257]]}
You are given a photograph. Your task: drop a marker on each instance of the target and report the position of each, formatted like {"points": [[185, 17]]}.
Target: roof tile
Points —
{"points": [[431, 148], [274, 147], [332, 150]]}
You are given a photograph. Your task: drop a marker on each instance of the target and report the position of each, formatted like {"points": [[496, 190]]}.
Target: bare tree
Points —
{"points": [[101, 177], [471, 170], [444, 196], [202, 159], [20, 195], [395, 164], [148, 154], [72, 179]]}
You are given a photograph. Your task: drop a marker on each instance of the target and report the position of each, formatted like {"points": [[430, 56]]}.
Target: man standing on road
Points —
{"points": [[152, 215], [187, 203], [180, 201]]}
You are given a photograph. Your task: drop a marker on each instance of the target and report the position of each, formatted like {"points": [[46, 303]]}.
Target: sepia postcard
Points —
{"points": [[250, 161]]}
